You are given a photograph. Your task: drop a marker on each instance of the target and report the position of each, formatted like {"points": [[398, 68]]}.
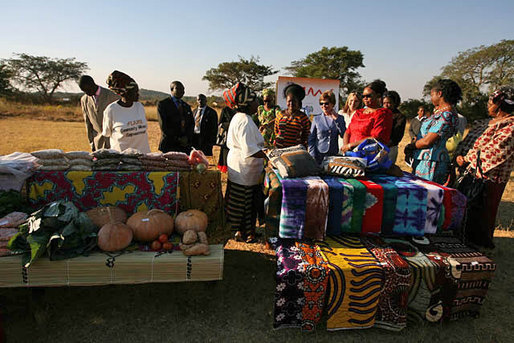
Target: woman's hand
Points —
{"points": [[346, 148], [460, 161]]}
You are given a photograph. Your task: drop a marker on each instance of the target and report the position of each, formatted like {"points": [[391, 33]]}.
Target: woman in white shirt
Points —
{"points": [[124, 121], [244, 161]]}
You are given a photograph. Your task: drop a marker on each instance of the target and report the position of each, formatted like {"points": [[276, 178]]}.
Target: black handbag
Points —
{"points": [[470, 185]]}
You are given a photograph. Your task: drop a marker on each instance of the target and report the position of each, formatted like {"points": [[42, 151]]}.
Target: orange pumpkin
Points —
{"points": [[114, 237], [147, 226], [106, 214], [191, 220]]}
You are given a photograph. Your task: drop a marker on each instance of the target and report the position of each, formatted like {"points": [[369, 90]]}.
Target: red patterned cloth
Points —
{"points": [[372, 219], [496, 147], [378, 124]]}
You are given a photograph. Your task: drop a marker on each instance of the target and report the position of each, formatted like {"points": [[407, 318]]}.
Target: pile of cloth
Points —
{"points": [[79, 160], [51, 159], [130, 160], [364, 282], [9, 228], [15, 168], [170, 161], [106, 159]]}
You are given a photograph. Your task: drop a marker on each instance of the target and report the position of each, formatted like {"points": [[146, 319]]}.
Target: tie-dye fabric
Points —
{"points": [[434, 203], [372, 219], [292, 215], [347, 214], [389, 206], [358, 205], [355, 281], [316, 208], [335, 206]]}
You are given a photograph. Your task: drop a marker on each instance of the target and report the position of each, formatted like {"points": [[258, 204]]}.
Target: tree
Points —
{"points": [[331, 63], [5, 86], [248, 71], [480, 70], [43, 74]]}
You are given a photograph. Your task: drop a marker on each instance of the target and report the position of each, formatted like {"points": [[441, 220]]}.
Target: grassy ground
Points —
{"points": [[239, 308]]}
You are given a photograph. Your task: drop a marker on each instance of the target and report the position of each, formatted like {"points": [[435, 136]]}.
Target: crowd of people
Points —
{"points": [[245, 130]]}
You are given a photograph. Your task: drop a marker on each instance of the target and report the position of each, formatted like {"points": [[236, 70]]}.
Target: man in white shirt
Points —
{"points": [[206, 126]]}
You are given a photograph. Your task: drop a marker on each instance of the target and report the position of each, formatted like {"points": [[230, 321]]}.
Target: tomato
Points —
{"points": [[167, 246], [156, 246], [163, 238]]}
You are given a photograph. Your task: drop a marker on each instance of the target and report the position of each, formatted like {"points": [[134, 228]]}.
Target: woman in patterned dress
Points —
{"points": [[292, 126], [496, 146], [265, 117], [431, 159]]}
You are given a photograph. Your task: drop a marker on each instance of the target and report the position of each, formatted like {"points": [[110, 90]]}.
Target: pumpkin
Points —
{"points": [[149, 225], [107, 214], [191, 220], [114, 237]]}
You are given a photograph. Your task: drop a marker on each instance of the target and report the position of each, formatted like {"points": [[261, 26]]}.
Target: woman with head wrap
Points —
{"points": [[493, 152], [370, 122], [245, 163], [125, 120], [292, 126], [392, 101], [325, 129], [431, 158], [266, 115]]}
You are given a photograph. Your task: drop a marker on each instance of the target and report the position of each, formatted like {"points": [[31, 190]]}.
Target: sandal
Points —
{"points": [[238, 236]]}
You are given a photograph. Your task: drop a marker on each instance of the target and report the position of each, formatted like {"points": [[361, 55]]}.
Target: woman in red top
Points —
{"points": [[372, 121], [496, 147]]}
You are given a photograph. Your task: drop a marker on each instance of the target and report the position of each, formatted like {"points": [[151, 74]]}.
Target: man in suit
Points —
{"points": [[176, 121], [206, 126], [93, 104]]}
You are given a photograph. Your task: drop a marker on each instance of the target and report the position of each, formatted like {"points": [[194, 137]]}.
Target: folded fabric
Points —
{"points": [[48, 153], [344, 166], [131, 160], [80, 167], [294, 162], [316, 208], [106, 153], [13, 219], [131, 152], [375, 153], [106, 167], [292, 216], [80, 162], [83, 155], [131, 167], [176, 155], [52, 167], [153, 156], [53, 162], [106, 161]]}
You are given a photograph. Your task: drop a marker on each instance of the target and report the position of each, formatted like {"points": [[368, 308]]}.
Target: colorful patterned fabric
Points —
{"points": [[355, 282], [392, 303], [131, 191], [315, 273], [292, 215], [241, 207], [372, 220], [291, 130], [496, 145], [433, 163], [476, 131], [434, 203], [120, 83], [293, 161], [358, 205], [316, 208], [347, 214], [389, 206], [239, 95], [273, 203], [335, 206], [424, 302]]}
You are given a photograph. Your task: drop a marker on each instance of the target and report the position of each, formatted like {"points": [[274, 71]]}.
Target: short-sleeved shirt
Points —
{"points": [[291, 130], [126, 127], [243, 141], [445, 125], [377, 124]]}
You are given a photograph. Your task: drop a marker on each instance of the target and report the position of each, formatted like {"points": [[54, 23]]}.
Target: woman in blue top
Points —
{"points": [[431, 159], [325, 129]]}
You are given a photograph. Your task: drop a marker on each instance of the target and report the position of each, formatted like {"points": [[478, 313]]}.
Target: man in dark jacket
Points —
{"points": [[176, 121], [206, 126]]}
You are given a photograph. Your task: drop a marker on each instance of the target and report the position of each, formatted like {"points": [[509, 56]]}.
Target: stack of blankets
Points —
{"points": [[8, 228], [51, 159], [112, 160], [170, 161], [364, 282]]}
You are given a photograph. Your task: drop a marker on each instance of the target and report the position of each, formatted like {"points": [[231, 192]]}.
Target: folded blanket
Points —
{"points": [[294, 162], [83, 155], [175, 155], [53, 162], [292, 216], [52, 167], [48, 153], [106, 161], [106, 153], [80, 162], [344, 166], [316, 208]]}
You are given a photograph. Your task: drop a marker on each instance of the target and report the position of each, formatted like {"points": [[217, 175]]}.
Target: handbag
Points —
{"points": [[469, 185]]}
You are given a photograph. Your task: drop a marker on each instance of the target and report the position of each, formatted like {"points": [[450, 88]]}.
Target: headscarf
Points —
{"points": [[120, 83], [295, 90], [503, 97], [268, 92], [239, 95]]}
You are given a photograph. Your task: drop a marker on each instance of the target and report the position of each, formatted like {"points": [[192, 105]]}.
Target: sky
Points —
{"points": [[404, 43]]}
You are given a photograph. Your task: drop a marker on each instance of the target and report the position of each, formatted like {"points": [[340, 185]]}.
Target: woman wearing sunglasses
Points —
{"points": [[373, 121], [325, 129]]}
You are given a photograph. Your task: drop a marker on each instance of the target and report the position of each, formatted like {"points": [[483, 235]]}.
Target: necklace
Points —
{"points": [[442, 109]]}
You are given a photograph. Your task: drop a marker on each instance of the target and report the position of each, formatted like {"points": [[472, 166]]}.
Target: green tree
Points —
{"points": [[5, 86], [248, 71], [43, 74], [480, 70], [331, 63]]}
